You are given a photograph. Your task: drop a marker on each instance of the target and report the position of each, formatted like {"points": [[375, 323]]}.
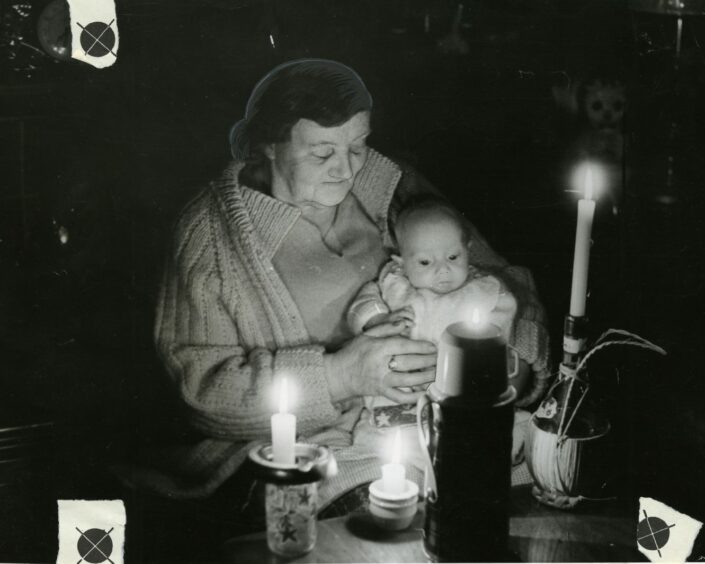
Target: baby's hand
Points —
{"points": [[404, 316]]}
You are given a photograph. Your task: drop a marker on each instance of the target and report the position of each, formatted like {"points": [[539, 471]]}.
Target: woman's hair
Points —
{"points": [[423, 205], [326, 92]]}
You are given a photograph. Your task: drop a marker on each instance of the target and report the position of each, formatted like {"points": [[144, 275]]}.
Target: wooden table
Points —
{"points": [[593, 532]]}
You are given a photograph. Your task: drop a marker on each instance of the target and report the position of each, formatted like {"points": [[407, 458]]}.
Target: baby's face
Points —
{"points": [[434, 254]]}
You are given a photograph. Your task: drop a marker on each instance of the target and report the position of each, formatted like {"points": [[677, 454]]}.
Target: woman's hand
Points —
{"points": [[380, 364]]}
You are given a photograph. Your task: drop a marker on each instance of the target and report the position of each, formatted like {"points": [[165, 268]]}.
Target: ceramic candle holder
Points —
{"points": [[393, 512], [291, 496]]}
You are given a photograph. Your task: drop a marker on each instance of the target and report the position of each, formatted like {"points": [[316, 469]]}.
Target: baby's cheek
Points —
{"points": [[418, 279], [462, 274]]}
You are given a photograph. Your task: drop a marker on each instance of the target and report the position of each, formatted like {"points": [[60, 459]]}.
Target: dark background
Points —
{"points": [[108, 157]]}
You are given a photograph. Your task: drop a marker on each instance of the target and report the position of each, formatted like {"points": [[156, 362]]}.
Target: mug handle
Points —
{"points": [[425, 442], [515, 356]]}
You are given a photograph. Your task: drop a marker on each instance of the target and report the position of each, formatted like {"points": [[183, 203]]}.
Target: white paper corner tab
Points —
{"points": [[91, 531], [664, 534], [94, 32]]}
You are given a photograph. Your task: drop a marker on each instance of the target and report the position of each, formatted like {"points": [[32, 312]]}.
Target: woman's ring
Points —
{"points": [[392, 364]]}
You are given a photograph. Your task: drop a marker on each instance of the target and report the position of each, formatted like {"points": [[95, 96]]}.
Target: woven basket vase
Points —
{"points": [[567, 471]]}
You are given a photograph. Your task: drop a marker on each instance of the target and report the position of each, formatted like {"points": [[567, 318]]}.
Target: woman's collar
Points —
{"points": [[254, 216], [270, 219]]}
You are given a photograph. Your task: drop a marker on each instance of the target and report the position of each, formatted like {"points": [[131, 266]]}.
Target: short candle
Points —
{"points": [[394, 473], [283, 430]]}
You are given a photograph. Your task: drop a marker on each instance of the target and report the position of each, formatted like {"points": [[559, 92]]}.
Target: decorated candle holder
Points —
{"points": [[291, 496]]}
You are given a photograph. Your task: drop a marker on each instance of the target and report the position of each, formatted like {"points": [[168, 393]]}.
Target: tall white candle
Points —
{"points": [[283, 430], [581, 256], [394, 473]]}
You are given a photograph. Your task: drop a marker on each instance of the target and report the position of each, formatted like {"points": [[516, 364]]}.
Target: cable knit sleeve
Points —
{"points": [[226, 389]]}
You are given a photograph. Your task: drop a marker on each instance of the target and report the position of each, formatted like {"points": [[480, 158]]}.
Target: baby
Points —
{"points": [[428, 285]]}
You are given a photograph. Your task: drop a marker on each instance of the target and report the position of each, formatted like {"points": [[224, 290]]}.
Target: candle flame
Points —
{"points": [[476, 320], [283, 393], [396, 449], [588, 180], [589, 188]]}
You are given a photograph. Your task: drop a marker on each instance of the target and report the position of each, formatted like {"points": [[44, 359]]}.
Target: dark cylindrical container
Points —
{"points": [[467, 519], [472, 363]]}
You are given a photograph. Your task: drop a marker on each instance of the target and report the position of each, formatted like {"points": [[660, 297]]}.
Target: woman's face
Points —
{"points": [[316, 168]]}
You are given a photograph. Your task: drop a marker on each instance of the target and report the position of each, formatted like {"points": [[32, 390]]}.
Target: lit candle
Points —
{"points": [[476, 320], [283, 430], [581, 257], [394, 473]]}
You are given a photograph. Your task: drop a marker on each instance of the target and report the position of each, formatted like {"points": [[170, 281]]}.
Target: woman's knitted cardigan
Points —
{"points": [[226, 324]]}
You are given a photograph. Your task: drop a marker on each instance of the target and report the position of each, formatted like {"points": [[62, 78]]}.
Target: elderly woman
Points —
{"points": [[266, 261]]}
